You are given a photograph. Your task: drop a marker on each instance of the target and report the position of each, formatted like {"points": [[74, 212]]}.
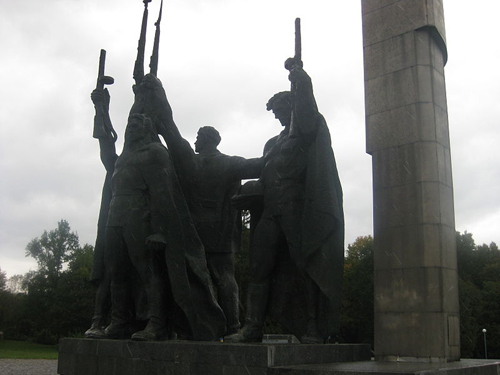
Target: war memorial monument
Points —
{"points": [[167, 301]]}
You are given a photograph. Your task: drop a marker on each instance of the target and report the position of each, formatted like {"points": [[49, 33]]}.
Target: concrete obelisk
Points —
{"points": [[416, 281]]}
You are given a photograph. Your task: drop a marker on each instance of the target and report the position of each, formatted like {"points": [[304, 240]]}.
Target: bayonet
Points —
{"points": [[139, 62], [153, 65]]}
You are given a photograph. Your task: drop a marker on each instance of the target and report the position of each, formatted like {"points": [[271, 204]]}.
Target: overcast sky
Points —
{"points": [[220, 60]]}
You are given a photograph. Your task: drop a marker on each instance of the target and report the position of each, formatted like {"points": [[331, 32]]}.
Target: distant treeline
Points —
{"points": [[57, 299]]}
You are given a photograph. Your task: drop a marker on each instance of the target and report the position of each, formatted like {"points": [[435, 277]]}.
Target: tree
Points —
{"points": [[15, 284], [52, 250], [3, 279], [59, 299], [479, 286], [357, 300]]}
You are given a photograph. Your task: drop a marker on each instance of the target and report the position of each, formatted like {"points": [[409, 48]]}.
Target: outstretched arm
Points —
{"points": [[242, 168]]}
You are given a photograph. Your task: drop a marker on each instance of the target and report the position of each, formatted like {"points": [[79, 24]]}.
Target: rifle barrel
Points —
{"points": [[139, 62], [298, 42], [153, 64]]}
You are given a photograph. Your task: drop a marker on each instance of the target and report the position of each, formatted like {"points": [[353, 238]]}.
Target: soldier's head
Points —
{"points": [[281, 105], [208, 138], [140, 129]]}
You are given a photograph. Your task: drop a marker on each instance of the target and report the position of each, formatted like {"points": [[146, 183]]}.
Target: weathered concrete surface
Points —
{"points": [[108, 357], [416, 281], [463, 367]]}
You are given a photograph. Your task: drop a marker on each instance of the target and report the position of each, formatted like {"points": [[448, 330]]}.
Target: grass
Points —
{"points": [[26, 350]]}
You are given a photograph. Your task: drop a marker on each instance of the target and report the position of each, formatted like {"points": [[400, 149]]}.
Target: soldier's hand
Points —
{"points": [[100, 96], [150, 81], [291, 64], [156, 242]]}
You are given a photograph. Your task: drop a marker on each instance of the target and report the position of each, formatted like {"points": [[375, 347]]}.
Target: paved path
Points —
{"points": [[28, 366]]}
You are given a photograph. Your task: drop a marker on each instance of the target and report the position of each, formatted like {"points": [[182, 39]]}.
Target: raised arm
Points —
{"points": [[305, 109], [101, 99], [151, 99]]}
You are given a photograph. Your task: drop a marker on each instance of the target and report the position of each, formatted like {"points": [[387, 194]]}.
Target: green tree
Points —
{"points": [[3, 279], [479, 286], [52, 250], [75, 294], [59, 297], [357, 301], [15, 284]]}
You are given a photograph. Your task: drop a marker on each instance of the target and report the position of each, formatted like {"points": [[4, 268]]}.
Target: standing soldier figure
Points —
{"points": [[209, 179]]}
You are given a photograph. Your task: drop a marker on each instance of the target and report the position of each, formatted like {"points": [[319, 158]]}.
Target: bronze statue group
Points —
{"points": [[170, 224]]}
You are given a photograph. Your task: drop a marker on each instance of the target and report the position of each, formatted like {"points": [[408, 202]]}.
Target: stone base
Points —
{"points": [[462, 367], [124, 357]]}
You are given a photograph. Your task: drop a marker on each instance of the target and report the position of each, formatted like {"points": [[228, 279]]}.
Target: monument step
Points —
{"points": [[125, 357], [462, 367]]}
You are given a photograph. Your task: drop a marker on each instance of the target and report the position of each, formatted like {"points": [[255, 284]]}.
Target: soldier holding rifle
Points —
{"points": [[149, 232], [303, 205]]}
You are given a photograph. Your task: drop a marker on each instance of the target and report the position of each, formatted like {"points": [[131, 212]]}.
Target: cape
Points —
{"points": [[322, 247], [190, 280]]}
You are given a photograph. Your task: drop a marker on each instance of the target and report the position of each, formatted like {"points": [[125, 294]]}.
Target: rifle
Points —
{"points": [[139, 62], [291, 64], [298, 43], [153, 64], [102, 123], [297, 59]]}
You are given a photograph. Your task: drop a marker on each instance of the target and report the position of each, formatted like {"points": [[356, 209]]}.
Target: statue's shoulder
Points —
{"points": [[158, 152], [270, 143]]}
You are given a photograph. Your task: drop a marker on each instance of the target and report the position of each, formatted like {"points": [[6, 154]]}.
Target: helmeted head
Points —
{"points": [[207, 138], [281, 105]]}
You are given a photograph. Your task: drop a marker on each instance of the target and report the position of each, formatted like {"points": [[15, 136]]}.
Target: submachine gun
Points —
{"points": [[102, 122]]}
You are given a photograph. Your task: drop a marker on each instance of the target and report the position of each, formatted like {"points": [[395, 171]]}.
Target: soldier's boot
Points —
{"points": [[156, 329], [312, 335], [121, 313], [256, 313], [96, 330], [229, 303]]}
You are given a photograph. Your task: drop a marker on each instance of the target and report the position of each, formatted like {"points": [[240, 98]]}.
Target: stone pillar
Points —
{"points": [[416, 280]]}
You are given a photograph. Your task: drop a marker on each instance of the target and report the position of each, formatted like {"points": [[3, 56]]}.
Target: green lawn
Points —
{"points": [[26, 350]]}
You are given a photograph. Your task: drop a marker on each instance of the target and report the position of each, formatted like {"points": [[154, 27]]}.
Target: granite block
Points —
{"points": [[389, 56], [392, 128], [442, 126], [426, 121], [392, 91], [383, 20], [462, 367], [188, 357]]}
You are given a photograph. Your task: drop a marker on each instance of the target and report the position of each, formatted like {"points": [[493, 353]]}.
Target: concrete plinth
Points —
{"points": [[463, 367], [416, 280], [123, 357]]}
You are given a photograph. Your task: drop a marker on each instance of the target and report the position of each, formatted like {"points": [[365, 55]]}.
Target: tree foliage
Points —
{"points": [[357, 301], [479, 285], [56, 300], [3, 279], [52, 250], [15, 284]]}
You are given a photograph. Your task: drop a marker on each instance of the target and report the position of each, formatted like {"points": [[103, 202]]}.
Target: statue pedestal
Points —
{"points": [[125, 357]]}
